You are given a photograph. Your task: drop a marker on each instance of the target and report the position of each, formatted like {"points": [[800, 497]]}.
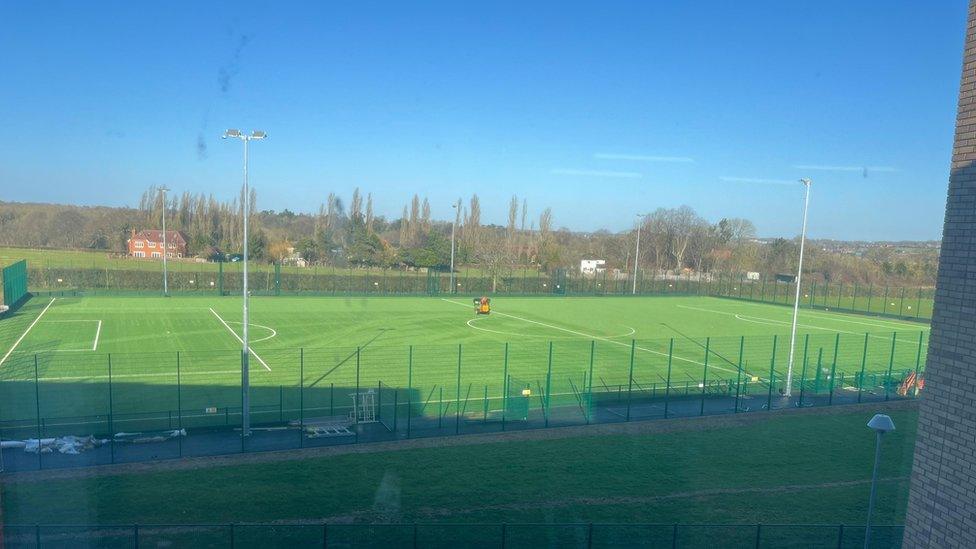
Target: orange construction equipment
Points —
{"points": [[482, 305], [911, 386]]}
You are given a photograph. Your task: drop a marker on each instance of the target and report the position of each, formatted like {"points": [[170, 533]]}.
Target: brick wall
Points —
{"points": [[942, 497]]}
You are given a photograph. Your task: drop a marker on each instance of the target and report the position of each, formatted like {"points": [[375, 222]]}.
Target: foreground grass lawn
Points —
{"points": [[789, 468]]}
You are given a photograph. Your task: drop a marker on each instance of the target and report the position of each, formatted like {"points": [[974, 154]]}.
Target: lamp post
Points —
{"points": [[881, 424], [640, 221], [162, 194], [796, 301], [453, 227], [246, 349]]}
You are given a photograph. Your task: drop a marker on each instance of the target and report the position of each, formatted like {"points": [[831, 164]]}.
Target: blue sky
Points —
{"points": [[599, 110]]}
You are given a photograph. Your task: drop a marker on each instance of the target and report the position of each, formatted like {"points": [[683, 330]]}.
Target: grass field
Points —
{"points": [[809, 468], [140, 349]]}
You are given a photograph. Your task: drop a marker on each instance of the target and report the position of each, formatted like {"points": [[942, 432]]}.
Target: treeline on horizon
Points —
{"points": [[345, 234]]}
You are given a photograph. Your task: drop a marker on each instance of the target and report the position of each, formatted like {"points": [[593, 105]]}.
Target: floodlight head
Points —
{"points": [[258, 134], [231, 133], [881, 424], [163, 189], [806, 181]]}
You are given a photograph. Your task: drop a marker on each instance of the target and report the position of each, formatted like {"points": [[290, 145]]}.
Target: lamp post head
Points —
{"points": [[881, 424], [232, 133], [258, 134], [806, 182]]}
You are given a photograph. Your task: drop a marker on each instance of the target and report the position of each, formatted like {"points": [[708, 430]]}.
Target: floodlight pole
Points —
{"points": [[162, 193], [453, 227], [246, 352], [245, 347], [796, 301], [640, 221]]}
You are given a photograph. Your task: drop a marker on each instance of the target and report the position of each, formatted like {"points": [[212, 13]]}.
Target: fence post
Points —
{"points": [[325, 535], [901, 306], [674, 536], [854, 298], [111, 414], [840, 536], [243, 432], [891, 363], [355, 400], [37, 405], [918, 304], [135, 535], [179, 404], [409, 387], [667, 382], [918, 357], [803, 369], [589, 388], [758, 534], [589, 536], [504, 528], [301, 397], [505, 384], [701, 412], [630, 378], [548, 385], [738, 375], [772, 377], [864, 363], [833, 369], [816, 378], [884, 305], [457, 396], [870, 295]]}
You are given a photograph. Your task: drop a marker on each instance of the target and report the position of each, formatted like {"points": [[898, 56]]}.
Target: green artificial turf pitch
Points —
{"points": [[147, 357]]}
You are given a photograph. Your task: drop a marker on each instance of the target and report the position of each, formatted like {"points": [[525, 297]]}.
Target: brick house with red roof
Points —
{"points": [[149, 244]]}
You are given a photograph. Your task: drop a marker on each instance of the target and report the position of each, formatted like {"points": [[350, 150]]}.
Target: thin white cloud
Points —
{"points": [[830, 168], [731, 179], [642, 158], [597, 173]]}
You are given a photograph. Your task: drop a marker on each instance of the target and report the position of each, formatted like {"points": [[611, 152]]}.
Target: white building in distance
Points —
{"points": [[592, 266]]}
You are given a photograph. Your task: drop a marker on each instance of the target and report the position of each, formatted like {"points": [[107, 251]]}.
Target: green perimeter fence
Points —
{"points": [[500, 535], [226, 278], [14, 284], [444, 389]]}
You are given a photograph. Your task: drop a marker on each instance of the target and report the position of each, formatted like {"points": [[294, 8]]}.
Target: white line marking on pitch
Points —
{"points": [[272, 330], [877, 322], [23, 335], [645, 349], [774, 322], [118, 376], [233, 333], [98, 332], [470, 324]]}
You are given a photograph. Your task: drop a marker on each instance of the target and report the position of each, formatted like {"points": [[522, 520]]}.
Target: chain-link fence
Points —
{"points": [[226, 278], [139, 406], [585, 535]]}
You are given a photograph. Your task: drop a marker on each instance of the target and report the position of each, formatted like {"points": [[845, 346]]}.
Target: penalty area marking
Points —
{"points": [[23, 335], [233, 333], [591, 336], [773, 322], [98, 331]]}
